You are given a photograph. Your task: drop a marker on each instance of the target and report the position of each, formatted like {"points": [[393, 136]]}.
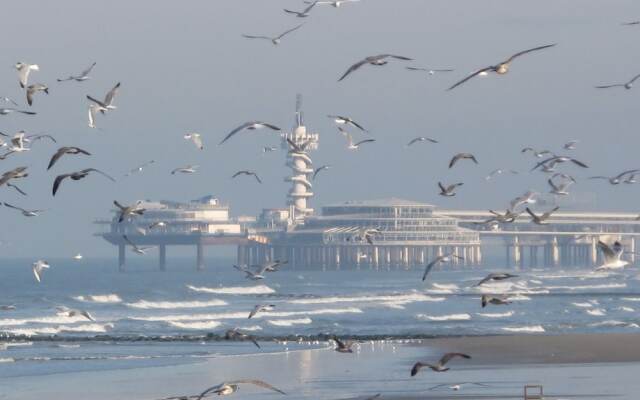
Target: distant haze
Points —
{"points": [[185, 67]]}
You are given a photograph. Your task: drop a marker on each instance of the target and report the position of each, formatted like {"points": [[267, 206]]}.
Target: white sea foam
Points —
{"points": [[195, 325], [53, 330], [583, 305], [531, 329], [259, 289], [243, 315], [589, 287], [59, 319], [518, 297], [634, 299], [497, 315], [7, 360], [252, 328], [100, 298], [397, 299], [614, 323], [598, 312], [627, 309], [450, 317], [290, 322], [441, 288], [169, 305]]}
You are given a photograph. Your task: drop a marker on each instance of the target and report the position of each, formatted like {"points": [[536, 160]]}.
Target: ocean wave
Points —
{"points": [[627, 309], [589, 287], [7, 360], [583, 305], [518, 297], [195, 325], [597, 312], [145, 304], [443, 288], [290, 322], [54, 330], [397, 299], [259, 289], [614, 323], [244, 314], [99, 298], [634, 299], [497, 315], [59, 319], [438, 318], [252, 328], [531, 329]]}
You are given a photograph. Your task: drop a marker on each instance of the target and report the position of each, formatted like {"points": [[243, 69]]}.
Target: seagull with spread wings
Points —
{"points": [[38, 267], [440, 365], [195, 138], [627, 85], [350, 144], [135, 248], [341, 120], [275, 40], [304, 13], [612, 255], [462, 156], [421, 139], [231, 387], [65, 150], [126, 211], [541, 219], [440, 259], [496, 276], [500, 68], [26, 213], [76, 176], [448, 191], [319, 169], [378, 60], [251, 125], [24, 69], [16, 173], [83, 76], [248, 173]]}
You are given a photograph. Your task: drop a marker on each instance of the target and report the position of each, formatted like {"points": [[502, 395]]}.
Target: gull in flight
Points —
{"points": [[236, 334], [350, 144], [37, 268], [158, 224], [536, 153], [139, 168], [615, 180], [541, 219], [78, 257], [65, 150], [496, 301], [500, 68], [333, 3], [135, 248], [498, 171], [26, 213], [440, 366], [16, 173], [70, 312], [251, 125], [76, 176], [231, 387], [496, 276], [508, 217], [527, 198], [304, 13], [107, 103], [19, 140], [421, 139], [551, 162], [132, 210], [189, 169], [7, 307], [560, 188], [254, 276], [5, 111], [440, 259], [248, 173], [571, 145], [343, 346], [268, 149], [365, 234], [631, 23], [457, 386], [35, 88], [9, 100], [275, 40], [83, 76], [612, 256], [23, 72], [260, 308], [319, 169], [298, 148], [462, 156], [428, 70], [340, 120], [448, 191], [196, 139], [627, 85], [378, 60]]}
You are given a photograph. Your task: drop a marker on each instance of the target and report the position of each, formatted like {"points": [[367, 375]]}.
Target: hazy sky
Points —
{"points": [[185, 67]]}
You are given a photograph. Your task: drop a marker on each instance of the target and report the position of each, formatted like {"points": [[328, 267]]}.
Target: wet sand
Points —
{"points": [[569, 367]]}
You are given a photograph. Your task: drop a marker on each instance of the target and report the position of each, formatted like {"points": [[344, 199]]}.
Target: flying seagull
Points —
{"points": [[83, 76], [16, 173], [631, 23], [260, 308], [37, 268], [540, 219], [231, 387], [245, 172], [26, 213], [5, 111], [440, 366], [462, 156], [188, 169], [527, 198], [304, 13], [496, 276], [135, 248], [551, 162], [319, 169], [612, 256], [236, 334], [500, 68], [536, 153], [70, 312], [496, 301], [617, 179], [428, 70], [9, 100], [139, 168], [125, 211], [378, 60], [560, 189], [254, 276], [448, 191], [23, 72], [498, 171], [274, 40], [334, 3], [35, 88], [196, 139], [251, 125], [570, 145], [421, 139], [339, 119], [350, 144], [343, 346], [65, 150], [440, 259], [107, 103], [76, 176], [627, 85], [268, 149]]}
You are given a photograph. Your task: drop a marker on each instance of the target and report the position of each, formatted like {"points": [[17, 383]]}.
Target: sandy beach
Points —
{"points": [[568, 366]]}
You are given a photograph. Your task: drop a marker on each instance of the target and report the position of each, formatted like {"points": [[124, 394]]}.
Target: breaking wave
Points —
{"points": [[169, 305], [259, 289], [530, 329], [100, 298], [450, 317], [290, 322]]}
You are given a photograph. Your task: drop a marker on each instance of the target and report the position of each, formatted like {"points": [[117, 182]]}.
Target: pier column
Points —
{"points": [[121, 257], [199, 257], [555, 253], [163, 257], [376, 256], [516, 252], [478, 255], [632, 250]]}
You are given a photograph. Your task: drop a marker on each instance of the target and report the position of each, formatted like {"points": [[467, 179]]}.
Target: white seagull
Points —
{"points": [[275, 40], [38, 267], [23, 72], [189, 169], [26, 213], [195, 138], [83, 76], [612, 256]]}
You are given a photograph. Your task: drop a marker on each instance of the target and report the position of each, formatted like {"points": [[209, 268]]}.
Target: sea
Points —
{"points": [[145, 317]]}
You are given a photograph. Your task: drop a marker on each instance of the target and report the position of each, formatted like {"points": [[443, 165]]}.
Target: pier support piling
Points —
{"points": [[121, 257], [199, 257], [163, 258]]}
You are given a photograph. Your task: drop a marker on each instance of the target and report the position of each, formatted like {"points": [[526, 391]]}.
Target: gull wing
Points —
{"points": [[447, 357], [354, 67], [430, 266], [58, 181], [474, 74], [88, 70], [256, 37], [108, 99], [100, 172], [236, 130], [14, 207], [288, 31], [528, 51], [606, 250], [364, 141], [257, 382]]}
